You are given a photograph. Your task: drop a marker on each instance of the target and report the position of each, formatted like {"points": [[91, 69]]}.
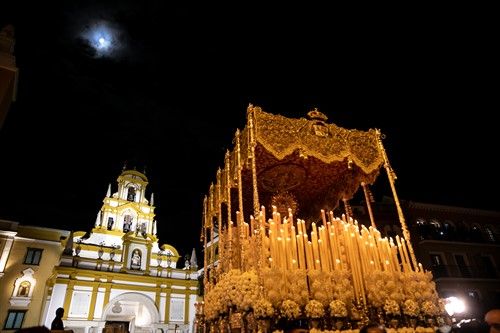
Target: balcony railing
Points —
{"points": [[466, 272]]}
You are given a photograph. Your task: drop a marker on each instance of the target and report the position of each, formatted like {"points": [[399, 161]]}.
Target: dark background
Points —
{"points": [[172, 93]]}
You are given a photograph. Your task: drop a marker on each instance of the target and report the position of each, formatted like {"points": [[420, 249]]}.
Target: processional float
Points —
{"points": [[276, 257]]}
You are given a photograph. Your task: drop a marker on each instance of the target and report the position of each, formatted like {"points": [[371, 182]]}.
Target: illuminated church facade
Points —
{"points": [[118, 277]]}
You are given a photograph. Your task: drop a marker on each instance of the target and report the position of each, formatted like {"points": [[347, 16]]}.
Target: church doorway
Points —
{"points": [[130, 313], [116, 327]]}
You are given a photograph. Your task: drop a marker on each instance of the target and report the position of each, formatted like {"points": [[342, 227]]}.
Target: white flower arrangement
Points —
{"points": [[314, 309], [274, 286], [263, 309], [419, 286], [290, 309], [391, 307], [247, 285], [296, 287], [383, 285], [342, 286], [410, 308], [326, 286], [338, 309]]}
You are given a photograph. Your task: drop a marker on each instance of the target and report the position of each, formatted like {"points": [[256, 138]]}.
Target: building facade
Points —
{"points": [[28, 255], [461, 246], [114, 278]]}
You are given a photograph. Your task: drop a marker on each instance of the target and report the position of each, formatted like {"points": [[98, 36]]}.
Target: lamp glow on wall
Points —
{"points": [[454, 305]]}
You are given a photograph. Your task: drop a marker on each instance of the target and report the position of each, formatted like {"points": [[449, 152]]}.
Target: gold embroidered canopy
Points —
{"points": [[303, 164]]}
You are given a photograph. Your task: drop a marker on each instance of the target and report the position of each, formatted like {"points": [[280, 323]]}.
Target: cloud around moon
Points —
{"points": [[105, 38]]}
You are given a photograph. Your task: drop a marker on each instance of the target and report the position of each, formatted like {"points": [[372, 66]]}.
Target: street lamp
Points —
{"points": [[454, 305]]}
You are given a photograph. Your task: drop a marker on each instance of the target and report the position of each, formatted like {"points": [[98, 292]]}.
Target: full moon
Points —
{"points": [[105, 38]]}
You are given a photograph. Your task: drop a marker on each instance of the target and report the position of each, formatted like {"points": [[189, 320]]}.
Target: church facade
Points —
{"points": [[117, 277]]}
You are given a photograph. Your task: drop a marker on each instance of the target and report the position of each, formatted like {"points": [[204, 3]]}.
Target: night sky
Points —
{"points": [[175, 85]]}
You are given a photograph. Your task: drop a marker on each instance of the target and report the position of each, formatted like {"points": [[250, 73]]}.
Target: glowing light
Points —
{"points": [[104, 37], [454, 305], [103, 43]]}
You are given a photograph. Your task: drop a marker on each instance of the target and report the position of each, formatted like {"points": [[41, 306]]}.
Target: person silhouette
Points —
{"points": [[57, 323], [492, 318]]}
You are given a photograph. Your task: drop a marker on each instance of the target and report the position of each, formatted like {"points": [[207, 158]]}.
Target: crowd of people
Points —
{"points": [[490, 324]]}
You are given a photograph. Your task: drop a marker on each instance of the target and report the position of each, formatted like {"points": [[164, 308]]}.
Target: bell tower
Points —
{"points": [[126, 221], [127, 210]]}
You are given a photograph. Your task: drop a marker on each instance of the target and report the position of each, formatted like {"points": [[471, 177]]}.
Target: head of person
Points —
{"points": [[492, 318], [372, 328], [60, 312]]}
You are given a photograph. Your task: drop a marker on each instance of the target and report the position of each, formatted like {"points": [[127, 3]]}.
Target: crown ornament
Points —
{"points": [[316, 115]]}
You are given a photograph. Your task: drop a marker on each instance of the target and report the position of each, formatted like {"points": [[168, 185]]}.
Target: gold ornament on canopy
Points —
{"points": [[281, 173]]}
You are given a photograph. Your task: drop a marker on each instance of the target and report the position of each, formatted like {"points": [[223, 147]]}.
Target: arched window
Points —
{"points": [[24, 289], [131, 194]]}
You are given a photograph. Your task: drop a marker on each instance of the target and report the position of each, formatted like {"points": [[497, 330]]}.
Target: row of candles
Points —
{"points": [[337, 244]]}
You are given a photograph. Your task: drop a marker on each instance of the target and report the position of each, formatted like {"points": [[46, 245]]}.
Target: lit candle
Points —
{"points": [[300, 250], [289, 251], [272, 241], [310, 259], [323, 217], [401, 255], [294, 245], [314, 240], [326, 249], [334, 252], [264, 245], [404, 244], [252, 225]]}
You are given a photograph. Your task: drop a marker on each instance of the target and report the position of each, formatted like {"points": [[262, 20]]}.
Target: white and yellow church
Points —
{"points": [[117, 278]]}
